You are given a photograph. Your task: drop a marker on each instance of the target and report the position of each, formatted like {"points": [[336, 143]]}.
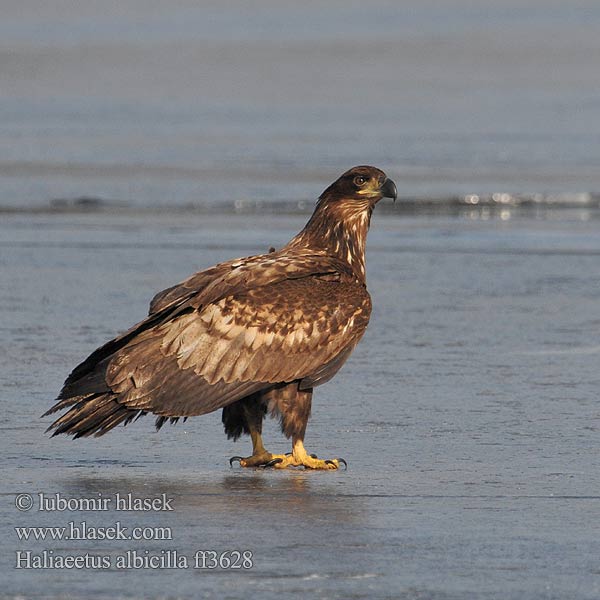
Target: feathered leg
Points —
{"points": [[293, 406], [246, 417]]}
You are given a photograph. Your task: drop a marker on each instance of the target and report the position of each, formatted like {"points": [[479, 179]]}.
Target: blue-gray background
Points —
{"points": [[140, 141]]}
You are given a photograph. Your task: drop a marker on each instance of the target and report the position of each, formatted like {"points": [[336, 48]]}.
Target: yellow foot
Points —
{"points": [[299, 457], [259, 459], [310, 462]]}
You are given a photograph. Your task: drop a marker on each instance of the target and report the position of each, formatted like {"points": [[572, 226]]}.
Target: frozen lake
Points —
{"points": [[141, 141], [468, 415]]}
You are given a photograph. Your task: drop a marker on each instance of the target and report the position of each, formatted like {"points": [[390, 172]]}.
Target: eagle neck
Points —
{"points": [[338, 229]]}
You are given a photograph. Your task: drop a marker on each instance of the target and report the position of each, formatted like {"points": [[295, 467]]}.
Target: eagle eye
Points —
{"points": [[360, 180]]}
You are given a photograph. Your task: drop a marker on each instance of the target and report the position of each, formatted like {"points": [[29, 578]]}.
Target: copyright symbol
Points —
{"points": [[24, 502]]}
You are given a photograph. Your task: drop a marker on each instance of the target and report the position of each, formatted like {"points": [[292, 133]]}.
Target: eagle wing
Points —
{"points": [[197, 291], [244, 342], [192, 285], [224, 334]]}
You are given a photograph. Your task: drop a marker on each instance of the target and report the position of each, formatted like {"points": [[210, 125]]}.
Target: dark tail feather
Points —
{"points": [[95, 414], [160, 421], [64, 403]]}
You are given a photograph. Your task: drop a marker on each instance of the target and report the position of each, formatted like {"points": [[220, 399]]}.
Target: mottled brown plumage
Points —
{"points": [[248, 335]]}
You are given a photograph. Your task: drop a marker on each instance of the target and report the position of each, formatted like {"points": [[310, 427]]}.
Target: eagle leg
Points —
{"points": [[301, 458], [260, 457], [246, 417], [293, 406]]}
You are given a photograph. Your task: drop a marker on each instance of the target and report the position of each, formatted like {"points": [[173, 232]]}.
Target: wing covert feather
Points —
{"points": [[207, 358]]}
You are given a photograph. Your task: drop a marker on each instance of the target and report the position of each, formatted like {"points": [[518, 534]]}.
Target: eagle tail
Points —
{"points": [[91, 414], [94, 408]]}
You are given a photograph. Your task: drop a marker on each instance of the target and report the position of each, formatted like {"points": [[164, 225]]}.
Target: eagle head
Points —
{"points": [[364, 184], [341, 219]]}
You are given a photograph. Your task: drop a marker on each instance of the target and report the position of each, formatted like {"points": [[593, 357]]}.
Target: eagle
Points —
{"points": [[249, 336]]}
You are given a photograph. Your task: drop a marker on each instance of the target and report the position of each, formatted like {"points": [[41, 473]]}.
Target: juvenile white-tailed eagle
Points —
{"points": [[250, 335]]}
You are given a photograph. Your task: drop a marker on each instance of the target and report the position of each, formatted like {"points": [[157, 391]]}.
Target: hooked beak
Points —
{"points": [[388, 189]]}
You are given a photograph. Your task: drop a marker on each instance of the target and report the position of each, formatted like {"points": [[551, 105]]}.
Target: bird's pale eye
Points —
{"points": [[360, 181]]}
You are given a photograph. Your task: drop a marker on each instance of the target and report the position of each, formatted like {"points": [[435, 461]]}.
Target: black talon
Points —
{"points": [[340, 462], [272, 463], [234, 458], [314, 456]]}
